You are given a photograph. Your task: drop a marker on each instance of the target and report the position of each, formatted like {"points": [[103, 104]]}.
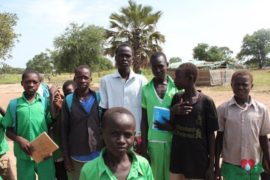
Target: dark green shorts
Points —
{"points": [[231, 172]]}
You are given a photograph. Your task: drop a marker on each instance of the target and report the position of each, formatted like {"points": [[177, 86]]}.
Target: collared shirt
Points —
{"points": [[97, 169], [116, 92], [3, 141], [242, 128], [32, 120], [151, 99]]}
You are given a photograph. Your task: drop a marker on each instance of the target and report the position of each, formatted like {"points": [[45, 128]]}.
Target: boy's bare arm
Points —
{"points": [[144, 129], [218, 150], [264, 142], [24, 143]]}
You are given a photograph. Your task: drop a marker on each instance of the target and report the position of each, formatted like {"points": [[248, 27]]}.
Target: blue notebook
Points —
{"points": [[161, 115]]}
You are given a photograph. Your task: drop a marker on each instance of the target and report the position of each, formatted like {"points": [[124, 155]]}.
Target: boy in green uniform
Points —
{"points": [[117, 161], [32, 119], [158, 92]]}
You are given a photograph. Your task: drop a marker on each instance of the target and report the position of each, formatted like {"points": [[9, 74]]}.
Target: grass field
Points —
{"points": [[261, 79]]}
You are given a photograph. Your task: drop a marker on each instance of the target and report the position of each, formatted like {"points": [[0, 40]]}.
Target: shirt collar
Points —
{"points": [[251, 103], [134, 172], [37, 97], [117, 74]]}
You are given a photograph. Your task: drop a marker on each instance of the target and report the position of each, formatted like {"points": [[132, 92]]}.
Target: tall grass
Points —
{"points": [[261, 81]]}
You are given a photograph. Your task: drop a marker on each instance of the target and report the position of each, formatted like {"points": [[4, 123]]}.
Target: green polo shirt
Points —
{"points": [[32, 120], [3, 141], [151, 99], [97, 169]]}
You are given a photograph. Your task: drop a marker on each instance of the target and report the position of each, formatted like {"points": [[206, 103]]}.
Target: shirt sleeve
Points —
{"points": [[148, 172], [265, 127], [103, 94], [221, 117], [48, 115], [144, 102], [7, 120], [211, 116]]}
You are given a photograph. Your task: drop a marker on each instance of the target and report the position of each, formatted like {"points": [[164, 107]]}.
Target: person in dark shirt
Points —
{"points": [[193, 122], [80, 124], [68, 88]]}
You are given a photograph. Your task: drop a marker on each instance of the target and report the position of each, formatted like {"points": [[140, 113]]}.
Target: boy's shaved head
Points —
{"points": [[124, 44], [111, 115], [190, 70], [242, 73], [80, 67], [118, 131], [156, 55], [30, 71]]}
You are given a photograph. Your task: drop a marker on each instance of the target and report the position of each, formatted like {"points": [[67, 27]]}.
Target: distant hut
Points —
{"points": [[209, 73]]}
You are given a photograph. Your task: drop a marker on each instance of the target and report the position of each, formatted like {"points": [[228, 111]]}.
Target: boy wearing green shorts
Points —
{"points": [[158, 92], [243, 127], [32, 119]]}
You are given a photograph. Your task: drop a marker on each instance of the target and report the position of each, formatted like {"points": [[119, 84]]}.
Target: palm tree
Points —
{"points": [[135, 24]]}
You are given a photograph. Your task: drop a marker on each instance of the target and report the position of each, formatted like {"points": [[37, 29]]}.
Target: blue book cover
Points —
{"points": [[161, 115]]}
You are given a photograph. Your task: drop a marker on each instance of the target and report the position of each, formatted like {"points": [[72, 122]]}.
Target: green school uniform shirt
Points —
{"points": [[32, 120], [97, 169], [151, 99], [3, 141]]}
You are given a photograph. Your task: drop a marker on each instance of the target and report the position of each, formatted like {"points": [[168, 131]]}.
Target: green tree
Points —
{"points": [[41, 63], [105, 64], [135, 24], [255, 48], [7, 69], [200, 51], [79, 45], [211, 53], [175, 59], [7, 35]]}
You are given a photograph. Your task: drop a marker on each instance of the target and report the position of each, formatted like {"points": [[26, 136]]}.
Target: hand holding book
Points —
{"points": [[161, 117], [42, 147]]}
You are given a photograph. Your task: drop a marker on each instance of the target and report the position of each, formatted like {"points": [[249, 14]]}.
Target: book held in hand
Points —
{"points": [[160, 114], [42, 147]]}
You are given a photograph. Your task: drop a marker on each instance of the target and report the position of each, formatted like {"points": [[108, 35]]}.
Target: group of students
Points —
{"points": [[112, 134]]}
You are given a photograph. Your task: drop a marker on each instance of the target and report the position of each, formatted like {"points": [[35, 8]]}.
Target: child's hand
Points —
{"points": [[25, 145], [58, 99], [182, 108], [68, 164], [163, 126]]}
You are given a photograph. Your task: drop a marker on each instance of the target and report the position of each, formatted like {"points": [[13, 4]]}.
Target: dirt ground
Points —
{"points": [[10, 91]]}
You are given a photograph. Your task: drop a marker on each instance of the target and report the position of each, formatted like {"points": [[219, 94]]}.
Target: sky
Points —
{"points": [[185, 23]]}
